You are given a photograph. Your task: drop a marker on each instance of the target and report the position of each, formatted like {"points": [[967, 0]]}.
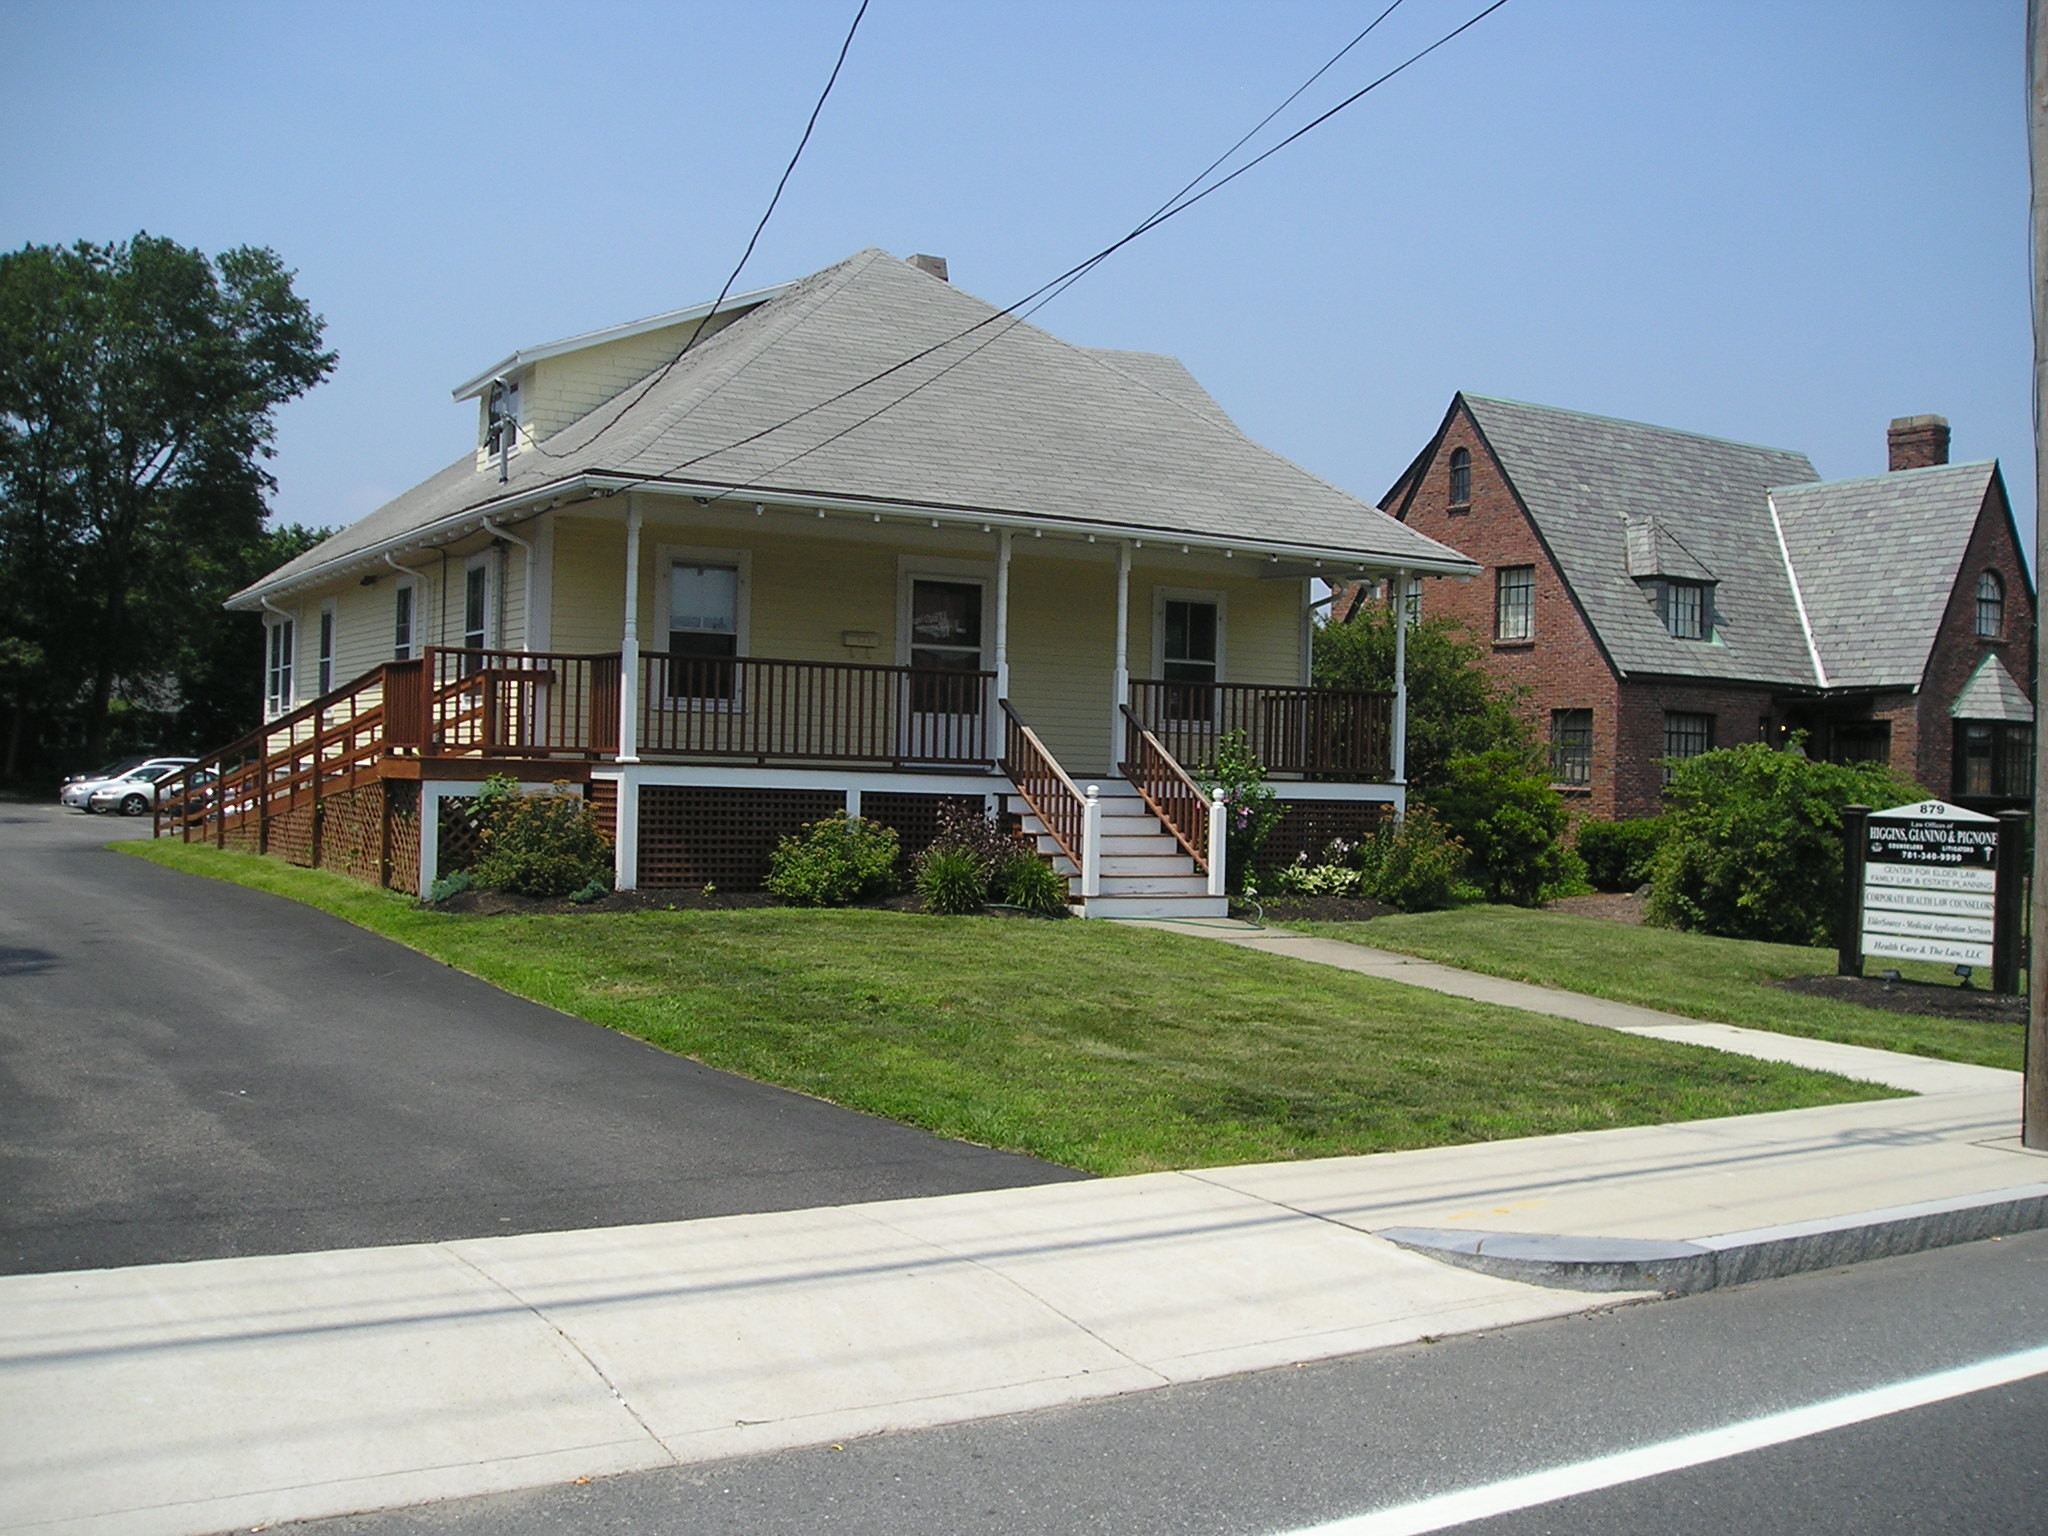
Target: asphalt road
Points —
{"points": [[193, 1070], [1290, 1450]]}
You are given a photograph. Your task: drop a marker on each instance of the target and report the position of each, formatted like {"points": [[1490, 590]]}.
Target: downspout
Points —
{"points": [[526, 610]]}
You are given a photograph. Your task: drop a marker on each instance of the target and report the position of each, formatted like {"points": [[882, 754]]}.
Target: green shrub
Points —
{"points": [[449, 886], [951, 881], [1752, 847], [1029, 882], [547, 844], [1415, 865], [1251, 810], [1334, 876], [834, 862], [1511, 823], [1618, 853]]}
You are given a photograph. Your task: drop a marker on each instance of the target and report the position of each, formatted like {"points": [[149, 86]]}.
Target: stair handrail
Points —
{"points": [[1169, 791], [1053, 797]]}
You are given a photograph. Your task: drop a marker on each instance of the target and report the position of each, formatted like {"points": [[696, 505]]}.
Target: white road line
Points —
{"points": [[1453, 1509]]}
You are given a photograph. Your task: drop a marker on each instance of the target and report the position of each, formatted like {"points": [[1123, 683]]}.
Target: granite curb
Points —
{"points": [[1734, 1258]]}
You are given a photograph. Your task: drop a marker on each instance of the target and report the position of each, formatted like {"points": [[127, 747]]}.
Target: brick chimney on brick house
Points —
{"points": [[1918, 442]]}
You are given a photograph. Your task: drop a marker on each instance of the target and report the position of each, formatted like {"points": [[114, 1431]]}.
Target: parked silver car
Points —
{"points": [[134, 793], [78, 789]]}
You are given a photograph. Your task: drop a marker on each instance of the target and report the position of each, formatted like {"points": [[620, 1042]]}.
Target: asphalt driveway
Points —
{"points": [[192, 1070]]}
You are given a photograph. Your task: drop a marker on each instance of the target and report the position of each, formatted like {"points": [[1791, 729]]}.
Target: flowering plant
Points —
{"points": [[1236, 777]]}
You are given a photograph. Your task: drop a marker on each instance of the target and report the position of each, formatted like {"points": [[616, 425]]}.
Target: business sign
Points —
{"points": [[1930, 884]]}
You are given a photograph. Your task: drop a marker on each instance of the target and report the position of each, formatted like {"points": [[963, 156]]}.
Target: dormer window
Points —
{"points": [[1990, 607], [1461, 477], [1686, 607], [501, 417]]}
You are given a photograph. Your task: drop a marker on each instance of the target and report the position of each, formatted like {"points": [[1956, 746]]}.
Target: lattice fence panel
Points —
{"points": [[603, 795], [915, 818], [245, 835], [352, 832], [402, 807], [459, 837], [291, 835], [1308, 826], [690, 835]]}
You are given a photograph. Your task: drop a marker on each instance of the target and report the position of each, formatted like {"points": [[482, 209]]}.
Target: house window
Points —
{"points": [[326, 649], [1860, 741], [1994, 759], [1461, 477], [401, 631], [1571, 746], [501, 417], [1684, 609], [945, 647], [1514, 602], [277, 675], [1990, 606], [476, 604], [1685, 736], [703, 630], [1188, 654]]}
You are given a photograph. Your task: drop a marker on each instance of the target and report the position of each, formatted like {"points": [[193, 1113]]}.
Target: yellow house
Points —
{"points": [[860, 542]]}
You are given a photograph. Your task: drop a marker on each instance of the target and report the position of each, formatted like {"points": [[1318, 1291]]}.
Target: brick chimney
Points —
{"points": [[1918, 442], [934, 265]]}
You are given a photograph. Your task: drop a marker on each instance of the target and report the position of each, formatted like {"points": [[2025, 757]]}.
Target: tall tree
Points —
{"points": [[138, 383]]}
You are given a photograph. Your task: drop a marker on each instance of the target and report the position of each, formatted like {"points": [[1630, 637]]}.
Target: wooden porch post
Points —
{"points": [[1398, 763], [1120, 688], [629, 641]]}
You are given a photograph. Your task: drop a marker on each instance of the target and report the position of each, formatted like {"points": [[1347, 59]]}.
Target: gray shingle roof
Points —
{"points": [[1992, 694], [1008, 420], [1877, 559], [1585, 478]]}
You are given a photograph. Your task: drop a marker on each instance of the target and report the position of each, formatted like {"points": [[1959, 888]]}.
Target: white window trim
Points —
{"points": [[913, 568], [275, 703], [414, 645], [327, 647], [1161, 596], [666, 558], [480, 561]]}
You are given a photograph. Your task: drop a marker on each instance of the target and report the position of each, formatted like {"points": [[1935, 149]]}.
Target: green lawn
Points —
{"points": [[1727, 980], [1111, 1049]]}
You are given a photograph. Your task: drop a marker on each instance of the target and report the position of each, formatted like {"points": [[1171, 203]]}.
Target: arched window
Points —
{"points": [[1461, 477], [1990, 606]]}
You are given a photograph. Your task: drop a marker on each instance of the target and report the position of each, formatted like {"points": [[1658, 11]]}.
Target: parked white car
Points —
{"points": [[134, 793], [78, 789]]}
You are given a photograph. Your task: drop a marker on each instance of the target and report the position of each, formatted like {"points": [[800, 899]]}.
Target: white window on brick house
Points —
{"points": [[1685, 735], [1571, 746], [1514, 602], [1990, 606]]}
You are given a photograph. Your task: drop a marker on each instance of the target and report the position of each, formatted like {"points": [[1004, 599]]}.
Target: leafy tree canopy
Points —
{"points": [[138, 382]]}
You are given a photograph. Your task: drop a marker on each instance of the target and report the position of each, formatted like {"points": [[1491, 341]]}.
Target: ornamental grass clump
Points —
{"points": [[835, 862], [971, 858], [545, 844]]}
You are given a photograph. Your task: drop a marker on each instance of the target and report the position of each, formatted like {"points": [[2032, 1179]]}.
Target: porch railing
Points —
{"points": [[1167, 790], [1052, 796], [763, 710], [526, 704], [1342, 734]]}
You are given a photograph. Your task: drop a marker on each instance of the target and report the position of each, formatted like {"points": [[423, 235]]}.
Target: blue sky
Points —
{"points": [[1782, 221]]}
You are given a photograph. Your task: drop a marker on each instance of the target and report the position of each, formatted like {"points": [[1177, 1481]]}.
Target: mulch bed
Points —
{"points": [[1922, 997], [1618, 907], [502, 903], [1309, 909]]}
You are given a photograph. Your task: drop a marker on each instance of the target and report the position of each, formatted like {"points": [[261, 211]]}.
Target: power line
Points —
{"points": [[1045, 293], [745, 256]]}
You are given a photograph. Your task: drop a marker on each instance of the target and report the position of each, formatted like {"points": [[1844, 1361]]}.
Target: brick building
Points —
{"points": [[1657, 593]]}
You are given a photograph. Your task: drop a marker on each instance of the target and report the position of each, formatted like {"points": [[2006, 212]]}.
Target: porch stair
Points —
{"points": [[1145, 871]]}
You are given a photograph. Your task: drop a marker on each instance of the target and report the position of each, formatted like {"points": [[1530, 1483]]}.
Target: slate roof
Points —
{"points": [[1877, 559], [1992, 694], [1585, 479], [1009, 421]]}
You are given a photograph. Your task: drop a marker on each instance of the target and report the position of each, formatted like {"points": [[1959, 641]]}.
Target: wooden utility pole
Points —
{"points": [[2034, 1112]]}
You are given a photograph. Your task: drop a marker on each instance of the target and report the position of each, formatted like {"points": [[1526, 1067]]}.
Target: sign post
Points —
{"points": [[1922, 883]]}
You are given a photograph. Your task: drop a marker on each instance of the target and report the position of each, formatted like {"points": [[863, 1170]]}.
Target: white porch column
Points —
{"points": [[1002, 619], [626, 843], [629, 646], [1120, 687], [1399, 763]]}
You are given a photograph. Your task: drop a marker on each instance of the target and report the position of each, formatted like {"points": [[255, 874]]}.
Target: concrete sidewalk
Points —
{"points": [[196, 1397]]}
